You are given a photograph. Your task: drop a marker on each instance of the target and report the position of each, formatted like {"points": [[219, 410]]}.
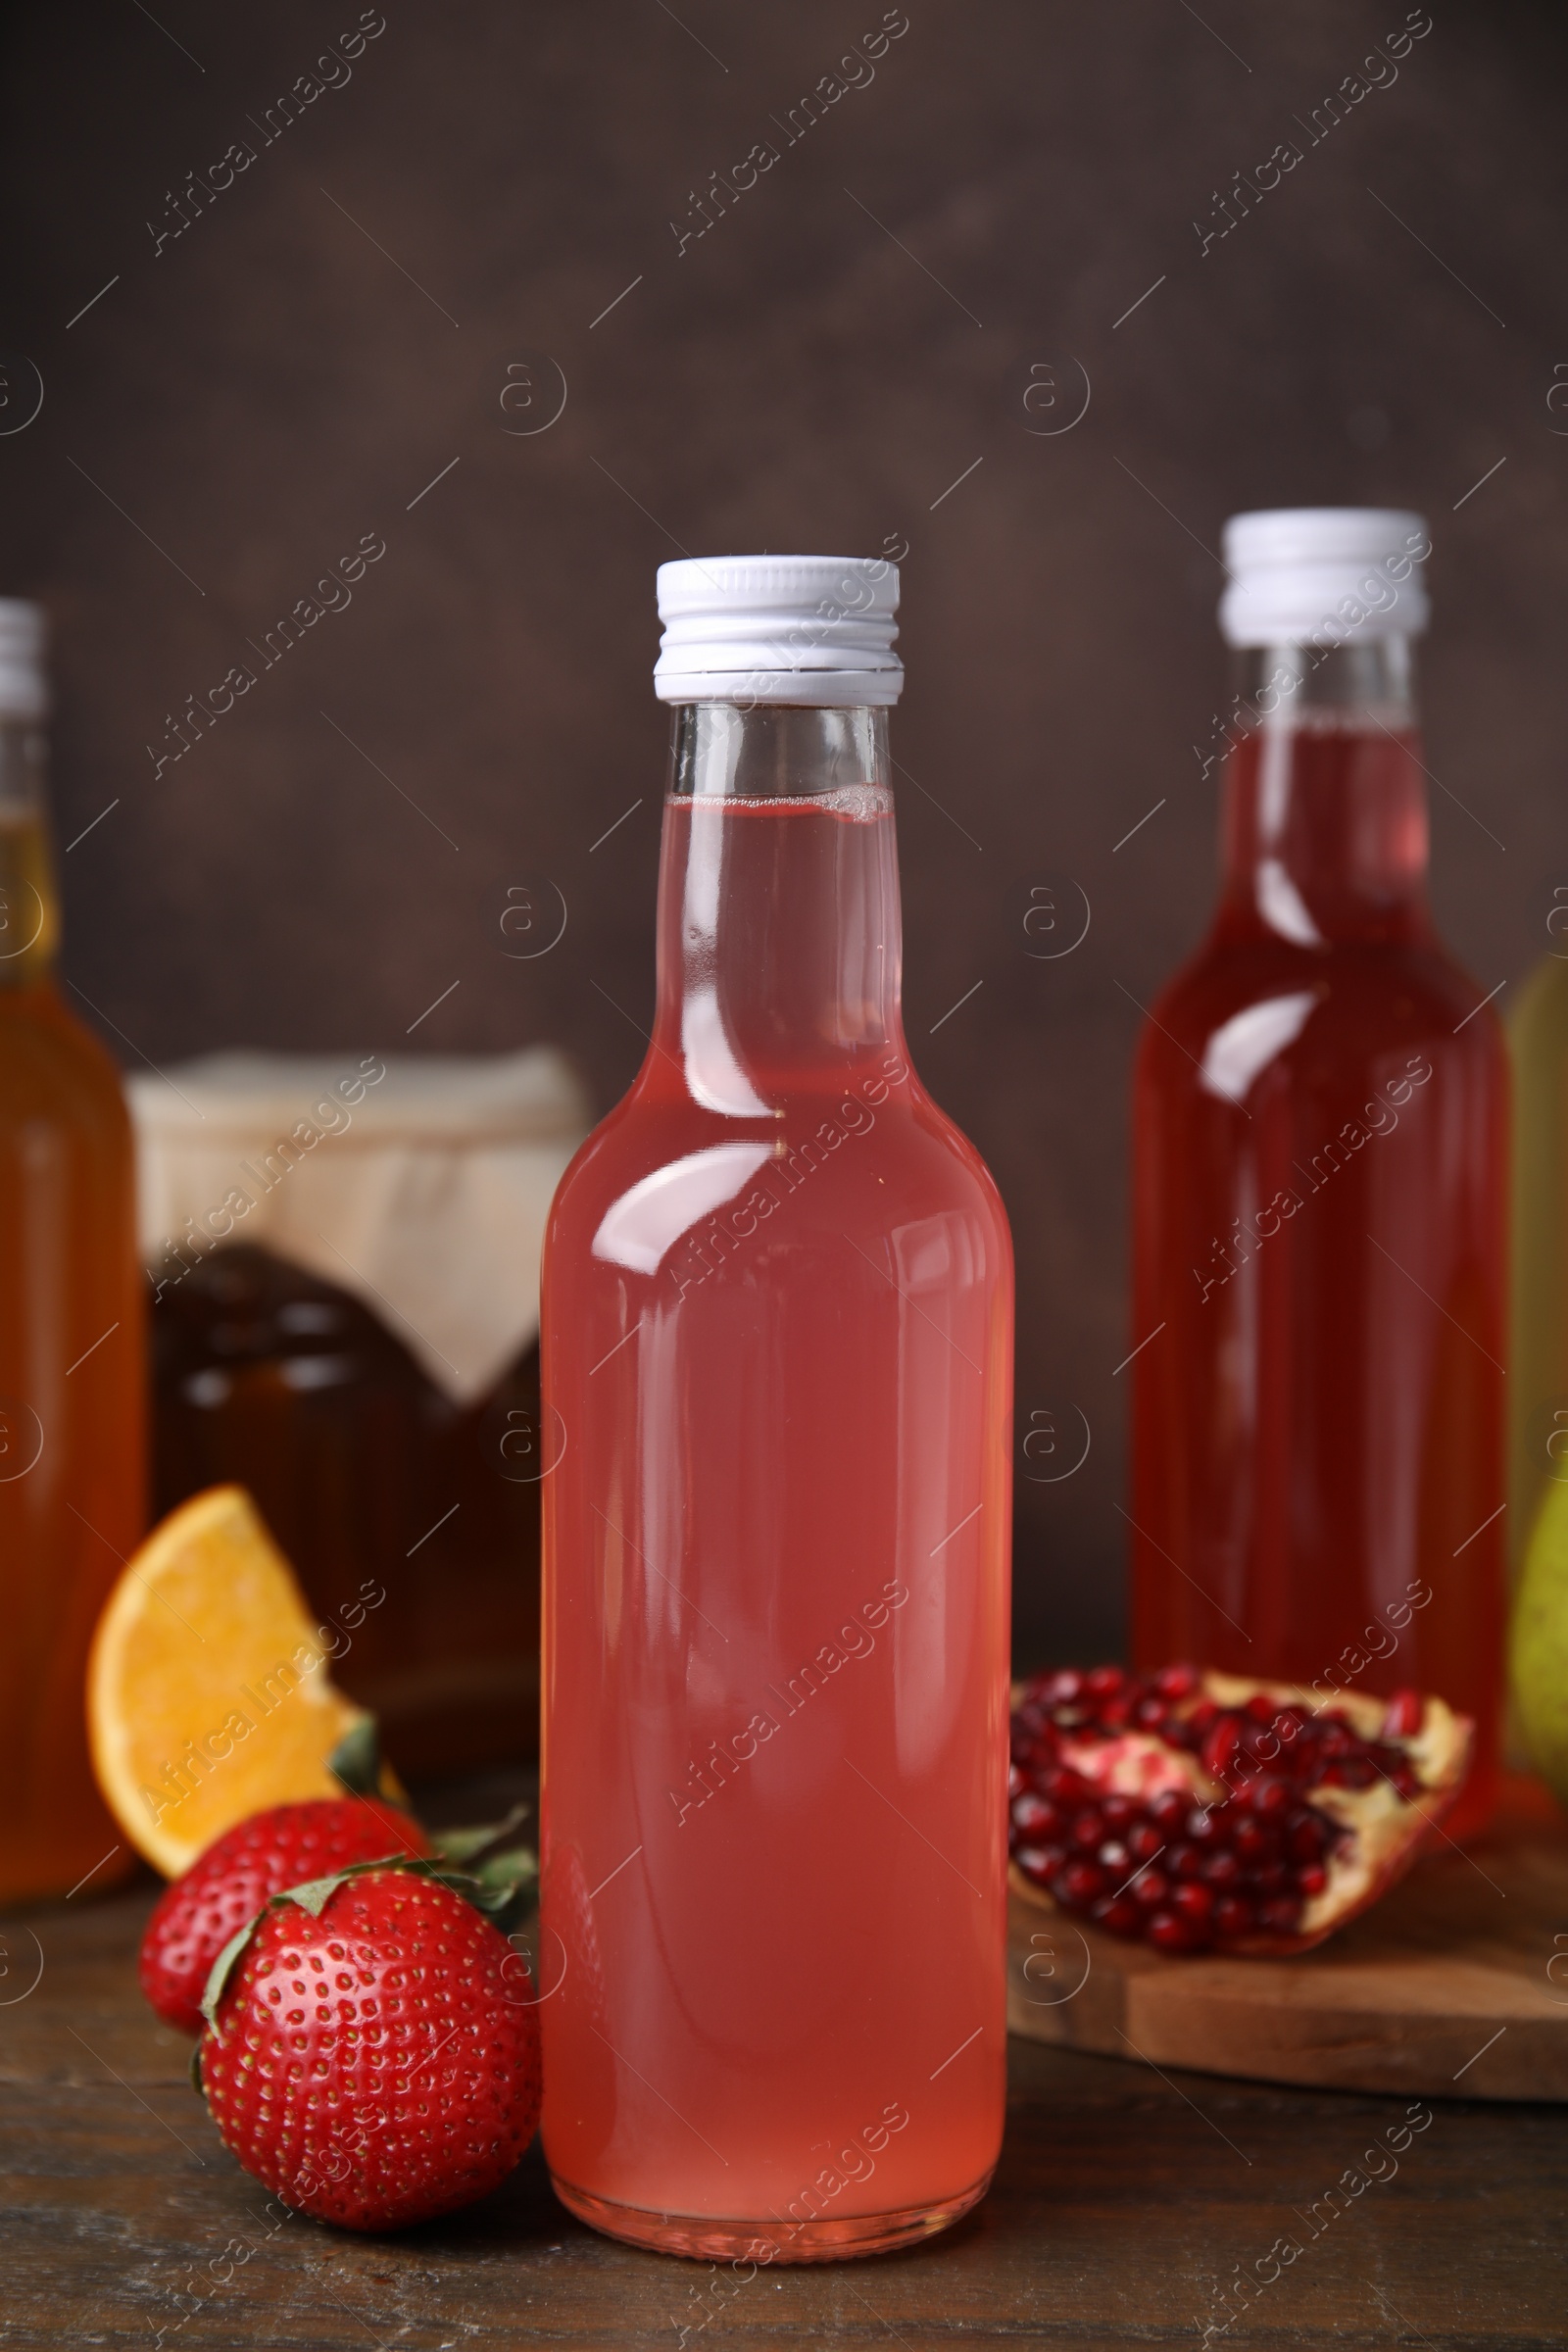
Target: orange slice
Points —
{"points": [[207, 1696]]}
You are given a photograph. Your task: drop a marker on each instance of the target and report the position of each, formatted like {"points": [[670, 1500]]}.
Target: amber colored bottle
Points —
{"points": [[1320, 1117], [371, 1481], [71, 1339]]}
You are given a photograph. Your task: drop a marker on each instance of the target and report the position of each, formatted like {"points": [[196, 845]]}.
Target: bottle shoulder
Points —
{"points": [[53, 1069], [1321, 1026], [664, 1160], [1388, 988]]}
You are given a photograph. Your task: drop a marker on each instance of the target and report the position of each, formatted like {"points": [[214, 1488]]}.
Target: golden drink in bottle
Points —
{"points": [[72, 1369]]}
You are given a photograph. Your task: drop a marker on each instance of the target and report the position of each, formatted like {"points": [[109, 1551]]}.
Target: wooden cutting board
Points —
{"points": [[1456, 1985]]}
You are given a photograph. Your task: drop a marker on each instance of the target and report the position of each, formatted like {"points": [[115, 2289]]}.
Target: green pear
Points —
{"points": [[1540, 1643]]}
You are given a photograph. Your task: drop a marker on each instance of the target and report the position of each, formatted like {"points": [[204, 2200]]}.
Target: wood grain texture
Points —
{"points": [[1456, 1983], [1122, 2201]]}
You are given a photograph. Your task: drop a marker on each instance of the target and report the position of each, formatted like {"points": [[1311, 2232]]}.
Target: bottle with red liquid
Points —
{"points": [[778, 1347], [1319, 1139]]}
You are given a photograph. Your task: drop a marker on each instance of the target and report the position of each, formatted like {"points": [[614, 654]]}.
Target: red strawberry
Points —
{"points": [[227, 1884], [378, 2063]]}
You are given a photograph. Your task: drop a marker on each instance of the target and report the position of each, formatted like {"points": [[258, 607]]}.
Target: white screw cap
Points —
{"points": [[812, 629], [1324, 575]]}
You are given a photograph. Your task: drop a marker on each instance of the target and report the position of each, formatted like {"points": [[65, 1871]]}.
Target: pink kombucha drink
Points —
{"points": [[778, 1358]]}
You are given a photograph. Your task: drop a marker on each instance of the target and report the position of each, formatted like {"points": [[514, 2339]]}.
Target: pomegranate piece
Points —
{"points": [[1207, 1813]]}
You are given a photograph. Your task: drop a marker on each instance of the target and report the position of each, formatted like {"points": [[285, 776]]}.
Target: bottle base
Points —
{"points": [[766, 2242]]}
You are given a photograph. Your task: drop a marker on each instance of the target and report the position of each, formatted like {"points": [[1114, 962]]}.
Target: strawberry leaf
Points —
{"points": [[222, 1968], [502, 1887], [356, 1760], [462, 1844], [313, 1894]]}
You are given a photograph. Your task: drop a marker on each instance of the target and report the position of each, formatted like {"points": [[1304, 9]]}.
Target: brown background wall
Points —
{"points": [[333, 331]]}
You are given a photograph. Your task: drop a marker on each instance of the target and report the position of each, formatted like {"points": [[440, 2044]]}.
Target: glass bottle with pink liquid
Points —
{"points": [[1319, 1142], [777, 1351]]}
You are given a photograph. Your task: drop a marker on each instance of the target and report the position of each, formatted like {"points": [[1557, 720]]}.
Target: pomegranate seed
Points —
{"points": [[1278, 1915], [1116, 1713], [1040, 1862], [1271, 1798], [1404, 1717], [1184, 1862], [1118, 1913], [1114, 1859], [1193, 1903], [1143, 1841], [1059, 1689], [1102, 1682], [1307, 1836], [1313, 1878], [1255, 1841], [1260, 1707], [1064, 1786], [1222, 1870], [1233, 1917], [1036, 1816], [1176, 1682], [1085, 1831], [1221, 1746], [1017, 1783], [1149, 1888], [1407, 1783], [1149, 1712], [1119, 1813], [1168, 1932], [1203, 1714], [1079, 1883], [1205, 1827], [1168, 1810], [1270, 1878]]}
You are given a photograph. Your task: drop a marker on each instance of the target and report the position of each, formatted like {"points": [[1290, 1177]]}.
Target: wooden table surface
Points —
{"points": [[1124, 2199], [1460, 1973]]}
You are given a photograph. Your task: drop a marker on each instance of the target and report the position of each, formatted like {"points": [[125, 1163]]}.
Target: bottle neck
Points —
{"points": [[29, 909], [1325, 816], [779, 934]]}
